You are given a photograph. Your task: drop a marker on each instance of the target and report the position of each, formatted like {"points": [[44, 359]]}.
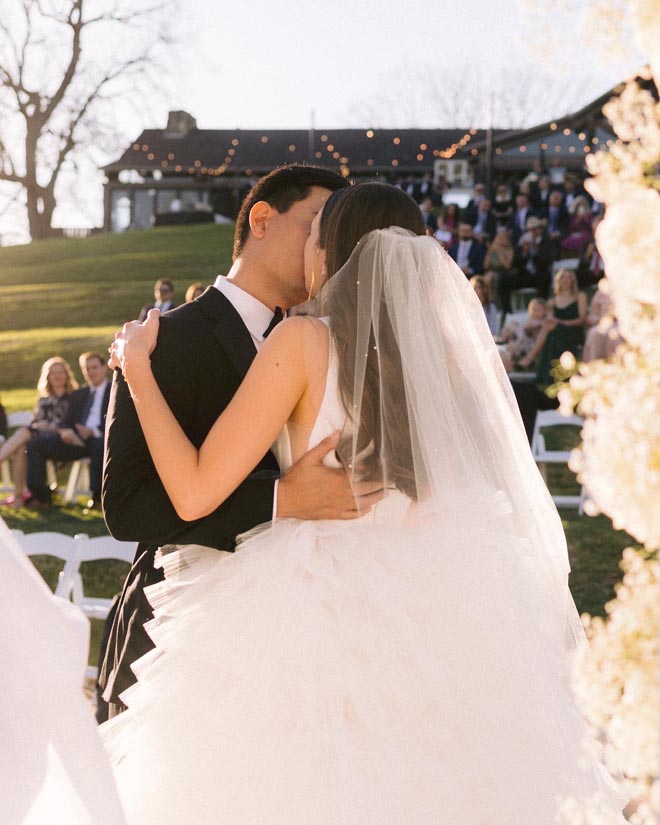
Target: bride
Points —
{"points": [[407, 668]]}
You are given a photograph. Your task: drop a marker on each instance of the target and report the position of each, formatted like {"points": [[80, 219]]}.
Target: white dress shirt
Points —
{"points": [[256, 317], [463, 254], [94, 417]]}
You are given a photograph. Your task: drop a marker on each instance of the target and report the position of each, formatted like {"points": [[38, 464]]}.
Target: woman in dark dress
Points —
{"points": [[56, 382], [563, 328]]}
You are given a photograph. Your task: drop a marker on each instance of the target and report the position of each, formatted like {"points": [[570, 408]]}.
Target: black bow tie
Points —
{"points": [[278, 315]]}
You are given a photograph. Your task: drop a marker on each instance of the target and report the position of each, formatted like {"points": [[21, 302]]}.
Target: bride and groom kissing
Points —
{"points": [[362, 658]]}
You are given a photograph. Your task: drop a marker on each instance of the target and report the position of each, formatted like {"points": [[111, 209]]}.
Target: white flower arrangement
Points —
{"points": [[617, 679]]}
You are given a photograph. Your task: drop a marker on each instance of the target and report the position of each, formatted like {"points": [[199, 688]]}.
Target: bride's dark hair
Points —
{"points": [[347, 217]]}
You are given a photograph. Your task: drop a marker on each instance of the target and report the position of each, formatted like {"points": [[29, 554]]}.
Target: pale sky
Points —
{"points": [[270, 63]]}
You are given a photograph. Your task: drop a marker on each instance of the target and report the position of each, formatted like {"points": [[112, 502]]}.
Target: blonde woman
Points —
{"points": [[56, 382], [563, 327]]}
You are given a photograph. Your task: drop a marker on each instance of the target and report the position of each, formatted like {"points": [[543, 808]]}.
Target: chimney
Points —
{"points": [[179, 124]]}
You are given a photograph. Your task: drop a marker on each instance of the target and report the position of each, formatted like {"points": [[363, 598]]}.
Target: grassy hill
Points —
{"points": [[65, 296]]}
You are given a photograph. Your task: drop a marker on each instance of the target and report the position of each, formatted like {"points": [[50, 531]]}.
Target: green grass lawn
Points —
{"points": [[66, 296]]}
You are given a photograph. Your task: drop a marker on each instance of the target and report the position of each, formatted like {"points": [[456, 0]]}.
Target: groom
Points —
{"points": [[204, 350]]}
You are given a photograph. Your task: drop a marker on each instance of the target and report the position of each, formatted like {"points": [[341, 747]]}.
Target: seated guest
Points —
{"points": [[194, 291], [480, 286], [55, 385], [502, 205], [521, 214], [540, 195], [531, 264], [478, 194], [498, 262], [591, 267], [563, 326], [519, 335], [468, 253], [580, 230], [484, 224], [447, 227], [430, 219], [163, 298], [556, 214], [602, 336], [80, 435]]}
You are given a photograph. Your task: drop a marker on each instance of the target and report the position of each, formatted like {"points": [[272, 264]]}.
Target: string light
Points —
{"points": [[370, 133]]}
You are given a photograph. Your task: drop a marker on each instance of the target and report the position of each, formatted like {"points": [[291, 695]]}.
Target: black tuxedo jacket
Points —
{"points": [[203, 353], [78, 407]]}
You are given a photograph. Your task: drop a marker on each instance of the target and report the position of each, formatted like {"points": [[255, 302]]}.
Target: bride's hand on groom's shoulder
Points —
{"points": [[136, 340]]}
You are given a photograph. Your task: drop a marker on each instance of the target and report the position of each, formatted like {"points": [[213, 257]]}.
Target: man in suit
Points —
{"points": [[521, 213], [81, 434], [478, 194], [163, 298], [484, 223], [532, 264], [468, 253], [204, 350], [556, 214]]}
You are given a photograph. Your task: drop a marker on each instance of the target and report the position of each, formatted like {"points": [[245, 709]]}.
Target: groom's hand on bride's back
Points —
{"points": [[310, 490]]}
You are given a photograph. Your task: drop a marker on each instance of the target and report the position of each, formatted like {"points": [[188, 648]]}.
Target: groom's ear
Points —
{"points": [[258, 219]]}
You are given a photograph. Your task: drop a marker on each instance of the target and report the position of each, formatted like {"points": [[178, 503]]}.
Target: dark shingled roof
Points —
{"points": [[261, 150]]}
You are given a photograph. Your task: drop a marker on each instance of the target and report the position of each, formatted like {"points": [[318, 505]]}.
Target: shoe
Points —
{"points": [[12, 501], [38, 504]]}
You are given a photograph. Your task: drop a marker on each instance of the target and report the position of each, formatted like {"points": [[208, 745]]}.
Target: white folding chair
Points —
{"points": [[101, 547], [60, 547], [78, 483], [543, 456]]}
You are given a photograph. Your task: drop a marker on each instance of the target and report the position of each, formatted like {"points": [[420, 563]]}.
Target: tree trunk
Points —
{"points": [[40, 207]]}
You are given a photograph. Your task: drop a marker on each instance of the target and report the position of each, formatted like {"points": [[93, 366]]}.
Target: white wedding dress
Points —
{"points": [[53, 770], [393, 670]]}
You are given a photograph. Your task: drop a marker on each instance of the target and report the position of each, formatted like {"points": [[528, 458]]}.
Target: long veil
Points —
{"points": [[430, 406]]}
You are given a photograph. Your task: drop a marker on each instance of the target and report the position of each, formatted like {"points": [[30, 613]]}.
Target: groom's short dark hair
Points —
{"points": [[280, 189]]}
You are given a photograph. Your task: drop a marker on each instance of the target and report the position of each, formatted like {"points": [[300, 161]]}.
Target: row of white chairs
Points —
{"points": [[75, 551], [543, 456], [77, 482]]}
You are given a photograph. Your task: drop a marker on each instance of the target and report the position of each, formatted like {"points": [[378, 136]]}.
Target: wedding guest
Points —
{"points": [[502, 204], [468, 253], [55, 386], [563, 326], [556, 214], [480, 286], [429, 217], [540, 196], [531, 264], [602, 336], [580, 228], [484, 224], [3, 424], [591, 267], [518, 335], [163, 298], [447, 231], [194, 291], [80, 435], [498, 262], [478, 194], [521, 213]]}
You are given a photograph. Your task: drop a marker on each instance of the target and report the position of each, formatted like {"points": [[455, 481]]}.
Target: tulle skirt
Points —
{"points": [[338, 674]]}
